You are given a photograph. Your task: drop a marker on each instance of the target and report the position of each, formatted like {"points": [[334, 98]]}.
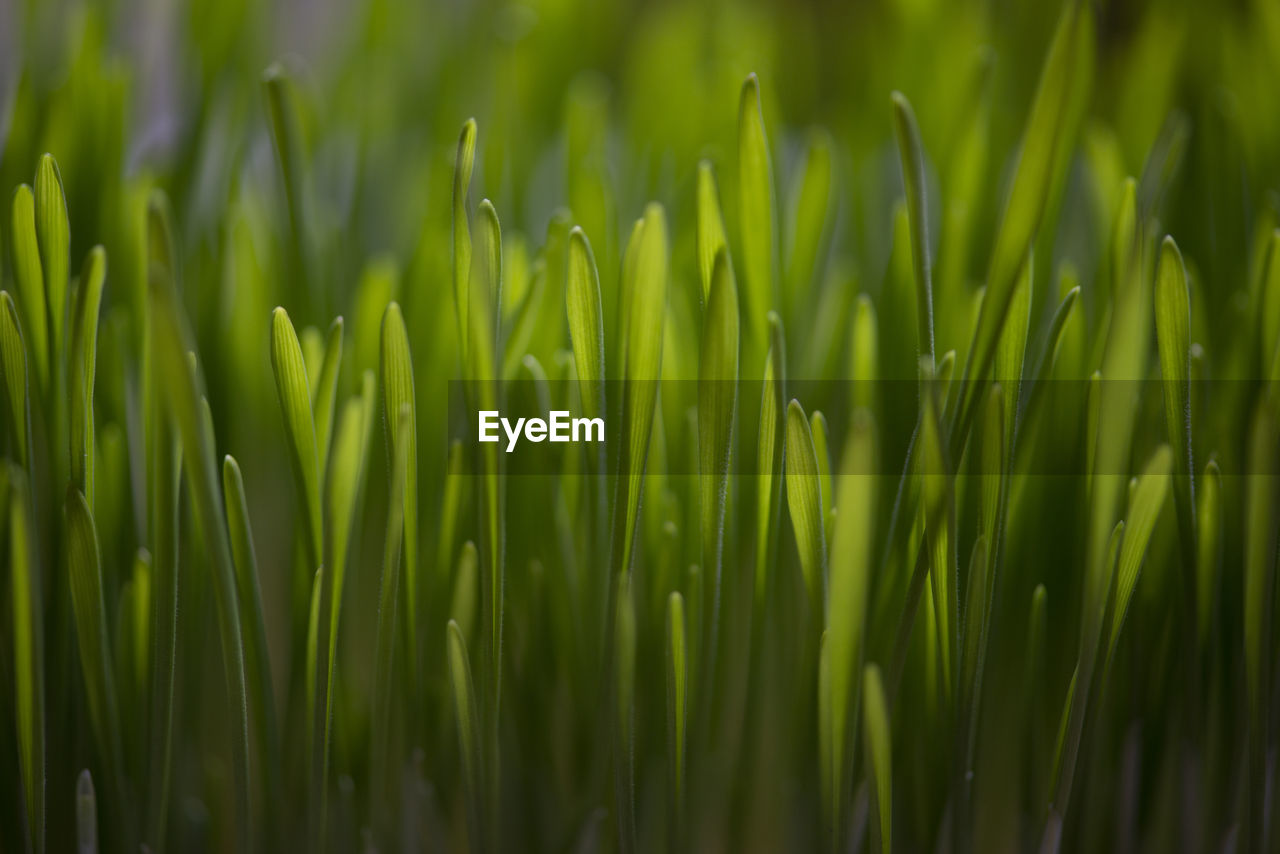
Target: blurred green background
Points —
{"points": [[587, 111]]}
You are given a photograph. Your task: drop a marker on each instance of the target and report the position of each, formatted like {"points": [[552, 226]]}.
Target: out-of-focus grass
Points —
{"points": [[987, 296]]}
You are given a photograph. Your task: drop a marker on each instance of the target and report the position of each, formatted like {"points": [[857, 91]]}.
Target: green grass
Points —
{"points": [[938, 345]]}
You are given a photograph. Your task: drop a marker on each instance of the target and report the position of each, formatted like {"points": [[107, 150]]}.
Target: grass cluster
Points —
{"points": [[940, 505]]}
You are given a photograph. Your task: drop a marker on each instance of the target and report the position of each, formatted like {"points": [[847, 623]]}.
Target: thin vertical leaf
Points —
{"points": [[326, 390], [677, 715], [29, 278], [53, 232], [28, 655], [1173, 335], [13, 357], [586, 322], [83, 368], [770, 453], [397, 397], [710, 231], [293, 390], [879, 746], [804, 500], [911, 155], [757, 218], [466, 715]]}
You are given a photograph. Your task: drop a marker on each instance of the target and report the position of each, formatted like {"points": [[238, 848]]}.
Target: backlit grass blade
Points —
{"points": [[249, 596], [770, 456], [29, 280], [388, 593], [28, 655], [850, 562], [717, 411], [642, 368], [710, 232], [1011, 353], [822, 450], [804, 500], [314, 727], [879, 746], [864, 353], [293, 390], [624, 674], [396, 375], [84, 566], [86, 815], [83, 368], [1269, 314], [467, 717], [677, 716], [180, 385], [53, 231], [810, 223], [326, 390], [757, 220], [975, 621], [1209, 519], [1258, 588], [586, 322], [911, 155], [13, 358], [1173, 335], [289, 142], [1043, 143], [1144, 509], [466, 589], [463, 165], [828, 762]]}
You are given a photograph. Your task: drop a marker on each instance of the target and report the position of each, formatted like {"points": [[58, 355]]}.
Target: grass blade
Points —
{"points": [[326, 392], [466, 158], [13, 357], [586, 322], [466, 715], [1209, 515], [28, 655], [397, 398], [1259, 585], [1043, 144], [677, 716], [710, 231], [293, 390], [1144, 509], [822, 450], [1173, 335], [29, 277], [911, 153], [757, 219], [847, 603], [770, 463], [624, 672], [879, 746], [804, 500], [83, 369], [86, 815], [810, 224], [53, 232]]}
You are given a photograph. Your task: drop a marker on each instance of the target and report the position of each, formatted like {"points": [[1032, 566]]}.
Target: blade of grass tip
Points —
{"points": [[847, 603], [822, 450], [809, 222], [624, 671], [465, 713], [864, 354], [1209, 548], [326, 391], [53, 232], [83, 368], [756, 219], [293, 390], [770, 453], [180, 386], [717, 411], [879, 746], [1144, 510], [1044, 143], [1173, 335], [388, 592], [911, 154], [28, 278], [463, 165], [163, 474], [586, 322], [84, 567], [398, 396], [642, 369], [804, 501], [86, 815], [466, 582], [626, 293], [1259, 582], [1033, 690], [677, 717], [28, 654], [711, 238], [13, 356], [249, 597]]}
